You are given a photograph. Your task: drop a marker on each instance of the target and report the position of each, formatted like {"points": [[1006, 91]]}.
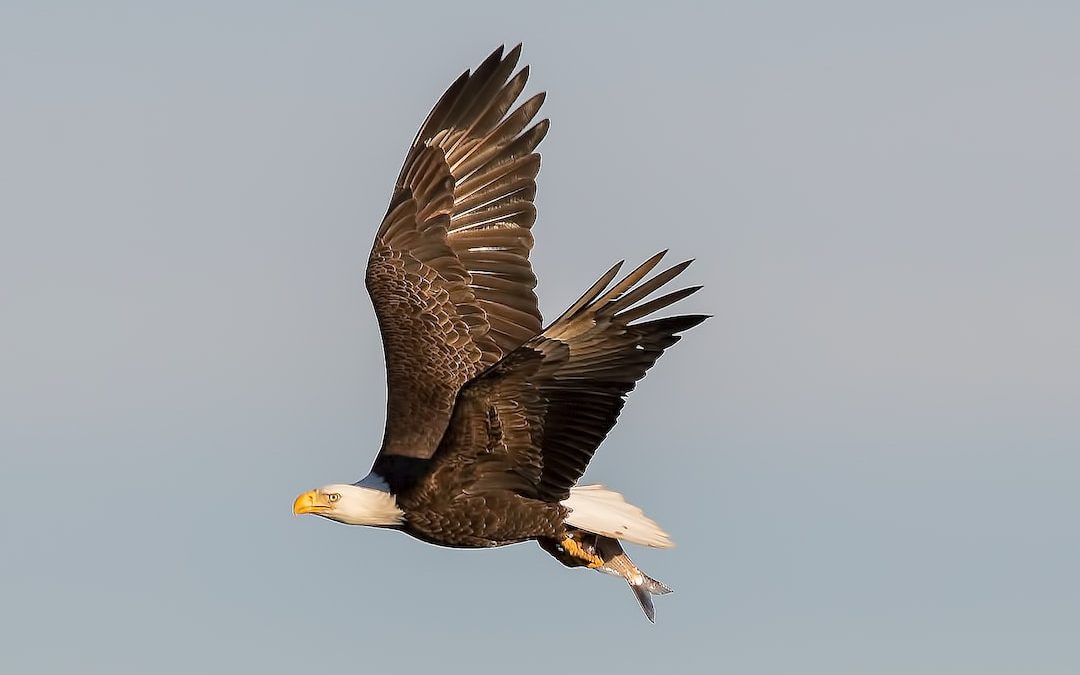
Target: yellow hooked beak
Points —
{"points": [[310, 502]]}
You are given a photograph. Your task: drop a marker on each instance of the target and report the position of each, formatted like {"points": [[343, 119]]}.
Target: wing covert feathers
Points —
{"points": [[449, 271]]}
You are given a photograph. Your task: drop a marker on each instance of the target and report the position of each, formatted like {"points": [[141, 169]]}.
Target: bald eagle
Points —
{"points": [[491, 419]]}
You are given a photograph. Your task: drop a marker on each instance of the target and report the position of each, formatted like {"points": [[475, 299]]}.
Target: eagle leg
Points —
{"points": [[571, 546]]}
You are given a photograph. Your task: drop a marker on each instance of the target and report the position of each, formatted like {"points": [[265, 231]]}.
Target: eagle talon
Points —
{"points": [[576, 550]]}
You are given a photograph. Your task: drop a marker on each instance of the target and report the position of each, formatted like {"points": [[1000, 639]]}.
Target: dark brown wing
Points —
{"points": [[532, 423], [449, 272]]}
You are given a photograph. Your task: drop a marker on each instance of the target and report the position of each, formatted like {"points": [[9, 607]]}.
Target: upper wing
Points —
{"points": [[449, 272], [532, 423]]}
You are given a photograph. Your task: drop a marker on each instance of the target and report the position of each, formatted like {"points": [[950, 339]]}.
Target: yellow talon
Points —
{"points": [[575, 549]]}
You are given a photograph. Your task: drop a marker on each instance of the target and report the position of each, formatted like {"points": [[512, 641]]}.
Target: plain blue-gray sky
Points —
{"points": [[869, 457]]}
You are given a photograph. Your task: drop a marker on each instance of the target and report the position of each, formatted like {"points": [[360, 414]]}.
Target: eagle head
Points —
{"points": [[351, 504]]}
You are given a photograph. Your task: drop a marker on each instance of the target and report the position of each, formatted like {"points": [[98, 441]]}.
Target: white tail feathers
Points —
{"points": [[596, 509]]}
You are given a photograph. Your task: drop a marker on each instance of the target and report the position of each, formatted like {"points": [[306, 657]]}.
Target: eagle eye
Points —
{"points": [[333, 496]]}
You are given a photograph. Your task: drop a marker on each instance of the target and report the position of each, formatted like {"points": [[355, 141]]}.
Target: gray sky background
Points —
{"points": [[869, 457]]}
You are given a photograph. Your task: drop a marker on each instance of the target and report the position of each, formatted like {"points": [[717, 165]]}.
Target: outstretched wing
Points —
{"points": [[532, 423], [449, 272]]}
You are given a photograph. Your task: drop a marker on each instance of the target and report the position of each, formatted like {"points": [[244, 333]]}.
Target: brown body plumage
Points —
{"points": [[490, 421]]}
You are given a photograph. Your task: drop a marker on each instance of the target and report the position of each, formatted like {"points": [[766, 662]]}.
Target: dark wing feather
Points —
{"points": [[449, 271], [533, 422]]}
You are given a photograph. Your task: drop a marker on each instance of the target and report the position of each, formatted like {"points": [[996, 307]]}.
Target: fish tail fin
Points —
{"points": [[644, 592], [654, 586], [617, 563]]}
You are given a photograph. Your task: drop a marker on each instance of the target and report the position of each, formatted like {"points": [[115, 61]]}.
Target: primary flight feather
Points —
{"points": [[491, 420]]}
